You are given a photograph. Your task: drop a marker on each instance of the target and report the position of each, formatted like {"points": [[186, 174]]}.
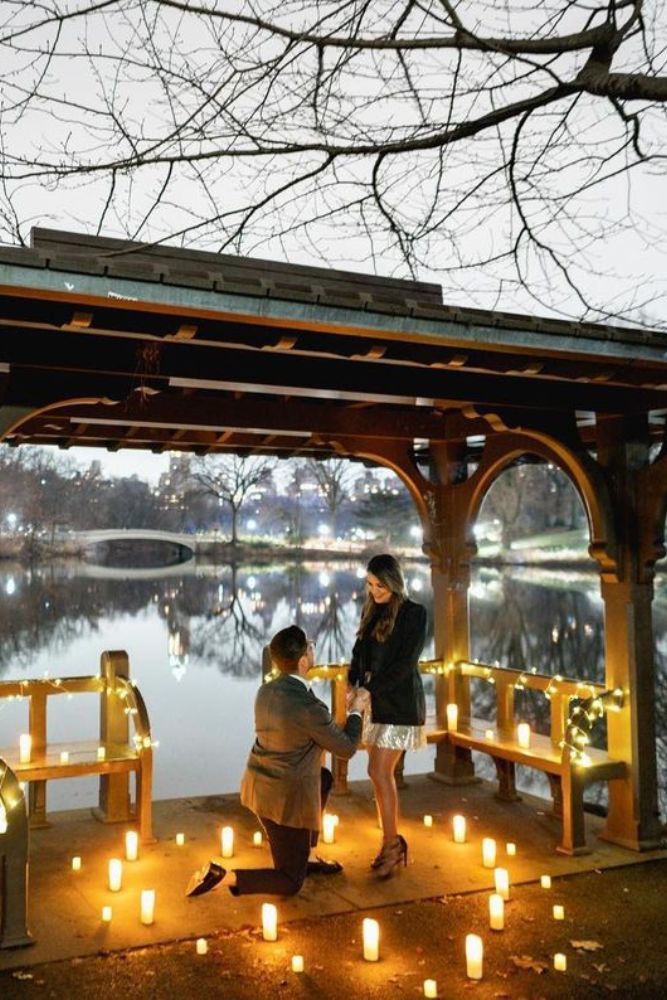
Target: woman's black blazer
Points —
{"points": [[397, 693]]}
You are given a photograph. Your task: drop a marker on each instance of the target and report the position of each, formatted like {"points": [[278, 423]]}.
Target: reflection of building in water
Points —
{"points": [[179, 646]]}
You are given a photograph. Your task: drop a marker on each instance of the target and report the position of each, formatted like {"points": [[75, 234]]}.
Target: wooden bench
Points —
{"points": [[564, 755], [13, 861], [114, 756]]}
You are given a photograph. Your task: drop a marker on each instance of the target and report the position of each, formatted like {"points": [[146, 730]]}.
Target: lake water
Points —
{"points": [[194, 635]]}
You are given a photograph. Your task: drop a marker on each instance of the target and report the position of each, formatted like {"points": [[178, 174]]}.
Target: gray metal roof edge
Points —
{"points": [[364, 319]]}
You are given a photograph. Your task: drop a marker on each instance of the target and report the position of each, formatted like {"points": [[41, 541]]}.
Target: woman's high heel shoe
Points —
{"points": [[391, 856]]}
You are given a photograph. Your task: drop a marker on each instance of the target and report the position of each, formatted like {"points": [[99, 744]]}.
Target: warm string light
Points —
{"points": [[582, 719]]}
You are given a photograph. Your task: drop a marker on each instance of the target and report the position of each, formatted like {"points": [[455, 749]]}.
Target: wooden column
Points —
{"points": [[447, 545], [633, 819]]}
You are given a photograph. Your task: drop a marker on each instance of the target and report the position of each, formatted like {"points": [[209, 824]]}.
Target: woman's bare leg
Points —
{"points": [[381, 766]]}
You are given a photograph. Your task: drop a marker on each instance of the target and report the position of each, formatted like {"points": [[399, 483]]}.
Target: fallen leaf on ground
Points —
{"points": [[527, 962], [22, 975], [600, 966], [586, 945]]}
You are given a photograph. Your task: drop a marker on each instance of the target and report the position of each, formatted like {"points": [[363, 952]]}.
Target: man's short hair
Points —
{"points": [[287, 647]]}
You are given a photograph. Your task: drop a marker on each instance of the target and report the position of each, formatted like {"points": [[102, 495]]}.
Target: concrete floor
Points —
{"points": [[65, 906]]}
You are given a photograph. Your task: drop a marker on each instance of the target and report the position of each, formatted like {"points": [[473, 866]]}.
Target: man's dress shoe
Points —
{"points": [[205, 879], [322, 867]]}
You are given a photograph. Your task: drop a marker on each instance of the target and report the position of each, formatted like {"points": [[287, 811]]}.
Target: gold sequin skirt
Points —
{"points": [[392, 737]]}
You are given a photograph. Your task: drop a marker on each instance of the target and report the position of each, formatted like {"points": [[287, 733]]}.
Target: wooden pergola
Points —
{"points": [[121, 345]]}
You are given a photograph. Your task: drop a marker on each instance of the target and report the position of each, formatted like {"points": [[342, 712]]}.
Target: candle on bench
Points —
{"points": [[131, 845], [101, 753], [64, 756], [25, 748], [452, 716], [523, 735]]}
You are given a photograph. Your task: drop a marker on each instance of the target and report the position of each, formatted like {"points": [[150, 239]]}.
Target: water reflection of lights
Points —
{"points": [[361, 573], [251, 582], [555, 635], [10, 586], [324, 579]]}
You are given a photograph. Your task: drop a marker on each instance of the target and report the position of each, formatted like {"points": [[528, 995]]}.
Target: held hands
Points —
{"points": [[358, 700]]}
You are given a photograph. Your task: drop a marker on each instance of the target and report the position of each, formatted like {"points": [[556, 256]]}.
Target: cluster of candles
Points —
{"points": [[25, 751], [523, 734]]}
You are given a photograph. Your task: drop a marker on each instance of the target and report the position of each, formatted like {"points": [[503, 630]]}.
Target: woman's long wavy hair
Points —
{"points": [[388, 571]]}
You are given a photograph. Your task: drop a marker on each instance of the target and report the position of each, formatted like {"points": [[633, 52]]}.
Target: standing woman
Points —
{"points": [[390, 639]]}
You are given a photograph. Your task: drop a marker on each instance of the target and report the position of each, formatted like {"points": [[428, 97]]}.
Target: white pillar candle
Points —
{"points": [[488, 734], [560, 962], [371, 939], [106, 914], [452, 716], [430, 988], [147, 906], [269, 922], [257, 838], [428, 820], [474, 956], [76, 864], [131, 845], [180, 839], [510, 848], [227, 842], [101, 753], [523, 735], [297, 963], [328, 828], [496, 912], [115, 874], [502, 882], [64, 756], [489, 852], [459, 829], [545, 881], [559, 912], [201, 946], [25, 748]]}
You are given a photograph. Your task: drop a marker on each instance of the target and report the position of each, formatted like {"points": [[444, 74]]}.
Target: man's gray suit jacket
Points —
{"points": [[281, 781]]}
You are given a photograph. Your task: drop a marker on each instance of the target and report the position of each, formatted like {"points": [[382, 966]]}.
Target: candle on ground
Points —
{"points": [[115, 874], [474, 956], [76, 864], [560, 962], [559, 912], [496, 912], [545, 881], [101, 753], [106, 914], [452, 716], [201, 946], [459, 829], [371, 939], [297, 963], [328, 828], [502, 881], [25, 748], [180, 839], [489, 852], [257, 838], [227, 842], [428, 820], [430, 988], [147, 906], [269, 922], [523, 735], [131, 845], [64, 756], [510, 849]]}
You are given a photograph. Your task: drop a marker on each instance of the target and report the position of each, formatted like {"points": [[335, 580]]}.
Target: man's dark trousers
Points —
{"points": [[290, 847]]}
